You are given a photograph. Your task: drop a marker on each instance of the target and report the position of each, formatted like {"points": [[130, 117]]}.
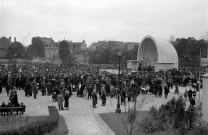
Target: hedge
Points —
{"points": [[38, 127]]}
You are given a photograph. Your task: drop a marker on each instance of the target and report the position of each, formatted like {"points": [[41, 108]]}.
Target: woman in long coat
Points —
{"points": [[94, 99], [60, 101], [66, 102]]}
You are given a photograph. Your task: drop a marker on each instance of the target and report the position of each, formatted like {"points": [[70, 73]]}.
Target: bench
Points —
{"points": [[4, 110]]}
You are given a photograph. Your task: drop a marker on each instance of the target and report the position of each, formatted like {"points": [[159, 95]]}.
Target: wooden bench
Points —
{"points": [[4, 110]]}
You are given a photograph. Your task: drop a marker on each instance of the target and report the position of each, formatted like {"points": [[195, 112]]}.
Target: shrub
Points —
{"points": [[39, 127], [169, 115], [201, 128], [191, 116]]}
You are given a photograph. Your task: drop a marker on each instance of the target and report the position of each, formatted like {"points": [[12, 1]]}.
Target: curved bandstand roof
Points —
{"points": [[160, 49]]}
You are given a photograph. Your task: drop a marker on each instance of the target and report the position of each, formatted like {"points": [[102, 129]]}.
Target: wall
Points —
{"points": [[205, 99], [132, 64], [163, 66]]}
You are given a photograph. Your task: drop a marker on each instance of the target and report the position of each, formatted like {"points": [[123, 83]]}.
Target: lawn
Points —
{"points": [[115, 122], [8, 122]]}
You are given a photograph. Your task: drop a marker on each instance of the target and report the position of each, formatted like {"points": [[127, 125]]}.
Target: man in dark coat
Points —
{"points": [[43, 89], [94, 98], [27, 88], [15, 98], [90, 89], [7, 89], [0, 85], [66, 102], [123, 97], [103, 97], [49, 88], [166, 90], [35, 90], [190, 93]]}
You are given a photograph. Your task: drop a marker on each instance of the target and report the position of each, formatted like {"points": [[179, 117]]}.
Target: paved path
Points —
{"points": [[81, 118]]}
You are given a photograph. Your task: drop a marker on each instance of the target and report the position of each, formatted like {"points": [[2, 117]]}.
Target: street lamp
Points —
{"points": [[118, 109], [14, 70]]}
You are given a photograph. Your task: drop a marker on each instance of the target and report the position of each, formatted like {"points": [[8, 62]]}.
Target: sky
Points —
{"points": [[95, 20]]}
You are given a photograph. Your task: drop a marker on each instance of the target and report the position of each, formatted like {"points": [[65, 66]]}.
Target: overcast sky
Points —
{"points": [[93, 20]]}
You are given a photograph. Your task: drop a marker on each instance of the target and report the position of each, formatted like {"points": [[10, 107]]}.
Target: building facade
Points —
{"points": [[4, 45], [77, 49]]}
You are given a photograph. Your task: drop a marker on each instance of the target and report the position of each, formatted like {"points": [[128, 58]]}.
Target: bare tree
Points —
{"points": [[172, 39], [131, 111]]}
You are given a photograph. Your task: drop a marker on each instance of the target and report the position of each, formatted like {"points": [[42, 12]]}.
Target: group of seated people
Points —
{"points": [[10, 108]]}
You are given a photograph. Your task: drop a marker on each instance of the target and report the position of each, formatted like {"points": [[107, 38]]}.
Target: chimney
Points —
{"points": [[14, 39], [9, 40]]}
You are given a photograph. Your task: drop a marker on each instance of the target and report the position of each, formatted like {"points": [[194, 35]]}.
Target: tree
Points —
{"points": [[188, 51], [16, 49], [64, 52], [37, 47]]}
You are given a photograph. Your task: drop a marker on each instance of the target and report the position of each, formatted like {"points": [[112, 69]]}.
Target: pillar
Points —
{"points": [[205, 98]]}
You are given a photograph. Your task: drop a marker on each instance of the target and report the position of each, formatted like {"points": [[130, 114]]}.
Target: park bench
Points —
{"points": [[10, 110]]}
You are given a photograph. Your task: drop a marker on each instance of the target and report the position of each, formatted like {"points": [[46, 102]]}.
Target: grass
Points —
{"points": [[18, 121], [8, 122], [116, 122]]}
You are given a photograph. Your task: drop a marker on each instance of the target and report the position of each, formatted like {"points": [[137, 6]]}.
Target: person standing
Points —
{"points": [[49, 88], [66, 102], [0, 86], [166, 90], [43, 89], [190, 93], [123, 97], [185, 94], [94, 98], [89, 90], [35, 90], [160, 90], [176, 89], [15, 98], [103, 97], [194, 94], [60, 101], [7, 89], [85, 92]]}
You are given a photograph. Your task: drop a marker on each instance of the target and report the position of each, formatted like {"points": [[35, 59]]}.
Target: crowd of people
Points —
{"points": [[60, 82]]}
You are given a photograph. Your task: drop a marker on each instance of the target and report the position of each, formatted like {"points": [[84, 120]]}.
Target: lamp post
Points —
{"points": [[118, 109], [14, 70]]}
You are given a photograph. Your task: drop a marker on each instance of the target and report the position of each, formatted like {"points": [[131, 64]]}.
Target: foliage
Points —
{"points": [[191, 115], [169, 115], [16, 49], [189, 50], [64, 53], [37, 48], [108, 54], [38, 127], [174, 115], [201, 128], [132, 115]]}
